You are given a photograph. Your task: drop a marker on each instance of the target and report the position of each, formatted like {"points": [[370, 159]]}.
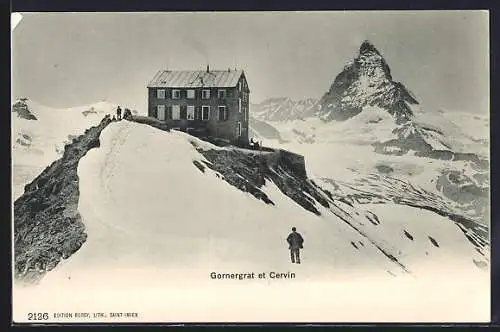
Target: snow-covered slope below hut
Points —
{"points": [[162, 212]]}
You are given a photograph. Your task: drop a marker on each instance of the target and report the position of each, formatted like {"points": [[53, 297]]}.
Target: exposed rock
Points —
{"points": [[408, 235], [384, 169], [24, 140], [21, 108], [433, 241], [47, 225], [91, 110], [248, 171]]}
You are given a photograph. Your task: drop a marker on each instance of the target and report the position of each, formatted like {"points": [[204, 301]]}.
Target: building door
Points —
{"points": [[161, 112]]}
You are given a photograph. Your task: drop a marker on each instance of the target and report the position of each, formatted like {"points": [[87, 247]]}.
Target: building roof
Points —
{"points": [[195, 79]]}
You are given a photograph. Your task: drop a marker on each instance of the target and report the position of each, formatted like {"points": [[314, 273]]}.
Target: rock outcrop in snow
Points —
{"points": [[366, 81], [21, 108]]}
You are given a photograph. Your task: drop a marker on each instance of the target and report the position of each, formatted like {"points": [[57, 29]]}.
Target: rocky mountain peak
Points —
{"points": [[366, 81], [367, 47]]}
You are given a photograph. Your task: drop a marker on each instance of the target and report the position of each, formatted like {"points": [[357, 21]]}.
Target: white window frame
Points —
{"points": [[188, 109], [174, 94], [224, 112], [203, 113], [193, 95], [160, 94], [203, 96], [238, 129], [239, 104], [176, 109], [158, 108], [221, 92], [239, 85]]}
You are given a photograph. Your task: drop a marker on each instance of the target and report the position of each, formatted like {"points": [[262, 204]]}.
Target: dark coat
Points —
{"points": [[295, 241]]}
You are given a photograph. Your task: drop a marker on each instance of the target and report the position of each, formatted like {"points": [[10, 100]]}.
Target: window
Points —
{"points": [[183, 112], [176, 112], [176, 94], [160, 94], [239, 105], [222, 113], [190, 112], [205, 112], [238, 129], [221, 94], [205, 94], [239, 85], [190, 94], [160, 112]]}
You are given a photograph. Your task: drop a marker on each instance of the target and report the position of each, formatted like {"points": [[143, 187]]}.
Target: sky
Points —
{"points": [[70, 59]]}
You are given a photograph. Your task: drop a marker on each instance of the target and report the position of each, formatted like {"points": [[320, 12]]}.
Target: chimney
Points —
{"points": [[208, 69]]}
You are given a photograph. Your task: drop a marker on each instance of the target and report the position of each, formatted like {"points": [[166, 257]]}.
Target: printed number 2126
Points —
{"points": [[38, 316]]}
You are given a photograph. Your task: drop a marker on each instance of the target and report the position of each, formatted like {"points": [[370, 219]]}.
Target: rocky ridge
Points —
{"points": [[47, 225]]}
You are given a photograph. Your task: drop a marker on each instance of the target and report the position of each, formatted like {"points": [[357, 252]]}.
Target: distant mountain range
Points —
{"points": [[282, 109], [365, 84]]}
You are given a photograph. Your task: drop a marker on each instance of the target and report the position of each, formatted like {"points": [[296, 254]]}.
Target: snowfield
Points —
{"points": [[157, 227], [37, 143], [343, 150]]}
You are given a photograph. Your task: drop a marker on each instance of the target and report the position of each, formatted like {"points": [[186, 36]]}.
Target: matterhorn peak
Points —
{"points": [[367, 47], [366, 81]]}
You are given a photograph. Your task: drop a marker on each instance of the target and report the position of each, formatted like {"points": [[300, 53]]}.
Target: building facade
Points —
{"points": [[213, 103]]}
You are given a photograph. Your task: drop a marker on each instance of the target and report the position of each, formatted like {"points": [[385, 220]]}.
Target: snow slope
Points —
{"points": [[157, 227], [37, 143], [345, 150]]}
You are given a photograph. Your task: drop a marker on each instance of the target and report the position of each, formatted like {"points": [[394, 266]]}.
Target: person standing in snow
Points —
{"points": [[118, 113], [295, 243]]}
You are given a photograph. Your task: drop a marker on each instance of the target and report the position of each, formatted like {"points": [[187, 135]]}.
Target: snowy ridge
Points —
{"points": [[37, 143]]}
